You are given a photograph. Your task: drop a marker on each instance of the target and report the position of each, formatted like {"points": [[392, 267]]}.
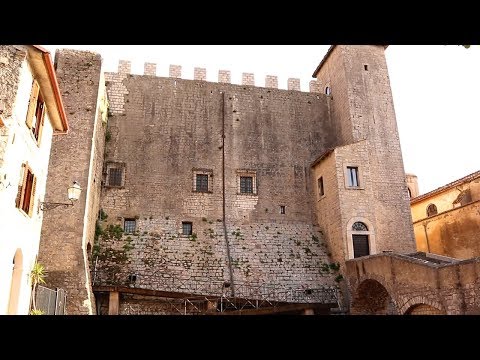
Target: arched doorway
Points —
{"points": [[360, 238], [372, 298], [16, 282], [424, 309]]}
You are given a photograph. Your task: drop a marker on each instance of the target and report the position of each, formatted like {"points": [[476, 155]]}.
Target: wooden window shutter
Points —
{"points": [[21, 187], [32, 104], [40, 127], [32, 196]]}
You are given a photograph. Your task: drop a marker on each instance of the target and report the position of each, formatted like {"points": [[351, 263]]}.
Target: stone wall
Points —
{"points": [[76, 156], [162, 132], [11, 60]]}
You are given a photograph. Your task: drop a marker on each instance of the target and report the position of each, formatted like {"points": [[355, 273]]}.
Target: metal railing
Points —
{"points": [[49, 301]]}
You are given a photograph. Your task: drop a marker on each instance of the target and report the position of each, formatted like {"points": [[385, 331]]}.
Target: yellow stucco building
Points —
{"points": [[446, 221]]}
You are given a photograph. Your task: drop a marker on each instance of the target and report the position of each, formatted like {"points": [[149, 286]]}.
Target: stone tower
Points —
{"points": [[412, 183], [363, 202], [67, 234]]}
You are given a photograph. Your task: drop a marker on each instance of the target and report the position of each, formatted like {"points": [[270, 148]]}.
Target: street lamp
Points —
{"points": [[73, 195]]}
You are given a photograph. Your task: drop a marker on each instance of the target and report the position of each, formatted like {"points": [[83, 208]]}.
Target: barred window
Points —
{"points": [[186, 228], [129, 226], [359, 226], [115, 177], [246, 184], [202, 182]]}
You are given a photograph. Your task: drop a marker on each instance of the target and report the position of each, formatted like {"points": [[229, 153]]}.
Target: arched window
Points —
{"points": [[359, 226], [431, 210], [409, 193], [328, 90]]}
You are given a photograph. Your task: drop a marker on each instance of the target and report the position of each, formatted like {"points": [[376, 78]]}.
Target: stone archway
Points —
{"points": [[16, 282], [424, 309], [372, 298]]}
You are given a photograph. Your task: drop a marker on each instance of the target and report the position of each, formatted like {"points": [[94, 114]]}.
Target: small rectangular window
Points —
{"points": [[352, 176], [202, 182], [246, 184], [282, 209], [129, 226], [321, 190], [365, 67], [186, 228], [115, 177]]}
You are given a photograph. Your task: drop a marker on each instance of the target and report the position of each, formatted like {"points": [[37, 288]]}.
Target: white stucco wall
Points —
{"points": [[17, 230]]}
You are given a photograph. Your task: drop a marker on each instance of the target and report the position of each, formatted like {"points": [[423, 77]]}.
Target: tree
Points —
{"points": [[37, 276]]}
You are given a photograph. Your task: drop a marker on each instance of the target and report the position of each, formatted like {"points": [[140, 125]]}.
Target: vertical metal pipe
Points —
{"points": [[229, 260]]}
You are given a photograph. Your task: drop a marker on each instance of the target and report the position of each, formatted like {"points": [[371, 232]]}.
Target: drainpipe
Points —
{"points": [[225, 232], [425, 224]]}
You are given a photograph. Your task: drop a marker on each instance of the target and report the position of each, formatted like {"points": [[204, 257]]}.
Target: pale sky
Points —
{"points": [[436, 91]]}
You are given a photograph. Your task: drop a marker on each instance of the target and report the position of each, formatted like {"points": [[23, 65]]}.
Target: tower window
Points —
{"points": [[246, 184], [328, 90], [129, 226], [365, 67], [202, 182], [187, 228], [115, 174], [282, 209], [321, 190], [352, 176]]}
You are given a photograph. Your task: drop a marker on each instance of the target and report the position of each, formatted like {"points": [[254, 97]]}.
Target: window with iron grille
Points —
{"points": [[186, 228], [115, 177], [129, 226], [201, 183], [246, 184]]}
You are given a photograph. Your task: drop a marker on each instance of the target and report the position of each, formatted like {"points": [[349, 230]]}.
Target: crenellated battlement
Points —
{"points": [[224, 76]]}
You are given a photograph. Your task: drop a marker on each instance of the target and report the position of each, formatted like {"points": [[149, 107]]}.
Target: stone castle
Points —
{"points": [[216, 189]]}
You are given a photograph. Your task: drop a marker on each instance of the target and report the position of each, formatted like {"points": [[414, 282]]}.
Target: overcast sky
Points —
{"points": [[436, 92]]}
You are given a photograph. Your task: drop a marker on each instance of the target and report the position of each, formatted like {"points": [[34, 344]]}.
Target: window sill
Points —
{"points": [[321, 197], [247, 194], [202, 192], [355, 187], [114, 186], [24, 213]]}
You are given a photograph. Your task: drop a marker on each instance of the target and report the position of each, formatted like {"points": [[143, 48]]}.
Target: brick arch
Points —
{"points": [[372, 297], [420, 300]]}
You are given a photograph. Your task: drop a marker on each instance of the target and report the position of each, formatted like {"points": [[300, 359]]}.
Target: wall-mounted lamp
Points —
{"points": [[73, 195]]}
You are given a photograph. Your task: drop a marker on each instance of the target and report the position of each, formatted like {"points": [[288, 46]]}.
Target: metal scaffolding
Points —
{"points": [[180, 295]]}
